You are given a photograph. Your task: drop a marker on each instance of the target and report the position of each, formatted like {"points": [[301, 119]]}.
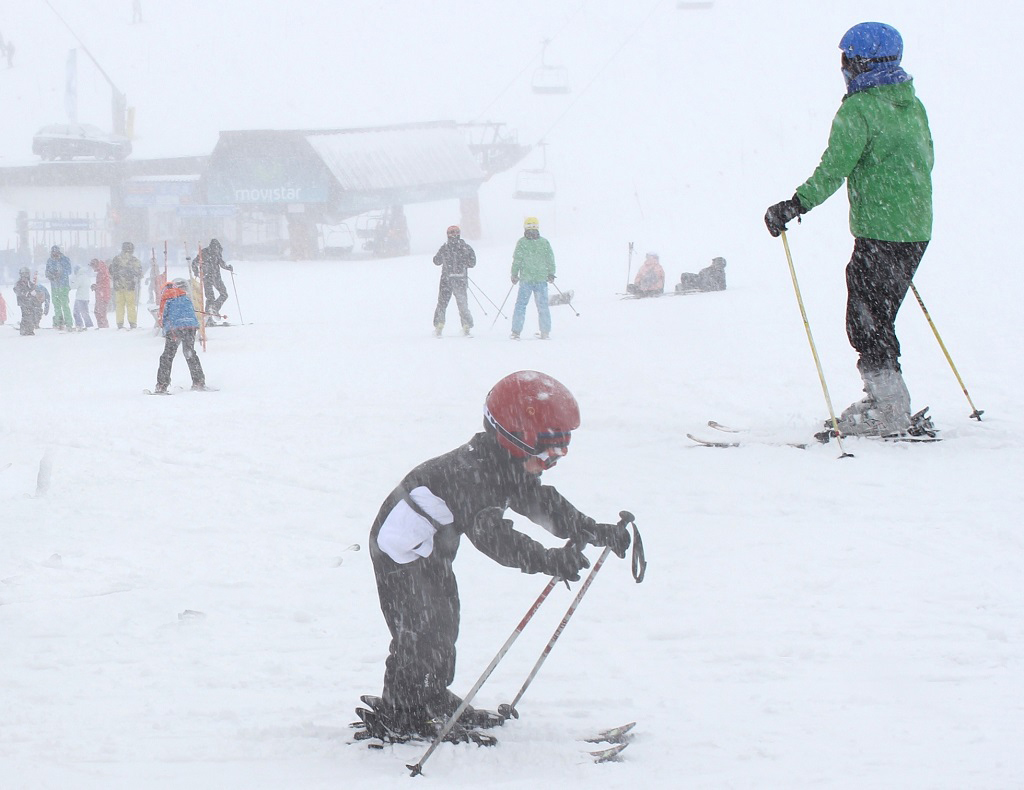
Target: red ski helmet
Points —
{"points": [[454, 230], [531, 413]]}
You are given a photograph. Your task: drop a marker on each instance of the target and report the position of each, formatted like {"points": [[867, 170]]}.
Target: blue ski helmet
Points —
{"points": [[873, 41]]}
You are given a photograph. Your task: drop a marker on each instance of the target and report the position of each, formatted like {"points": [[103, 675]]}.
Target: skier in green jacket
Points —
{"points": [[880, 144], [533, 267]]}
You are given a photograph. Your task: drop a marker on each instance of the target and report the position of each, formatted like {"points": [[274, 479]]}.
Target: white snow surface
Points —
{"points": [[806, 621]]}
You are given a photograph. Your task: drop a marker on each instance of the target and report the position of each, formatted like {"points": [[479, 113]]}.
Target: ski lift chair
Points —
{"points": [[550, 80], [536, 184]]}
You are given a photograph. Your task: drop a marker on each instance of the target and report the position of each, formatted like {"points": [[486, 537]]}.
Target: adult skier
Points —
{"points": [[881, 145], [28, 301], [102, 290], [126, 275], [213, 262], [528, 422], [58, 272], [533, 267], [179, 323], [455, 258]]}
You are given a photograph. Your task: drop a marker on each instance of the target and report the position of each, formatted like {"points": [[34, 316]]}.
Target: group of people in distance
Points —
{"points": [[120, 281]]}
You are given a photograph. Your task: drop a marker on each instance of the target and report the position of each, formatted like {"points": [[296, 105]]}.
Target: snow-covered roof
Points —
{"points": [[396, 158]]}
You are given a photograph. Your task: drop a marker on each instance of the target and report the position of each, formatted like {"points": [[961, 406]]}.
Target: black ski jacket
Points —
{"points": [[477, 477], [213, 262], [455, 259]]}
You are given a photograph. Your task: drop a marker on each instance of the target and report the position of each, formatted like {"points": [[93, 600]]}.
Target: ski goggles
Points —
{"points": [[551, 447]]}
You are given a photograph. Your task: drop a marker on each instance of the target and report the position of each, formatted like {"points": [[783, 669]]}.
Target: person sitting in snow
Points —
{"points": [[528, 422], [650, 278], [180, 324], [710, 278]]}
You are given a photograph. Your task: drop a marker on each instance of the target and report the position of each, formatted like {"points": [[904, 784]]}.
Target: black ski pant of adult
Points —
{"points": [[453, 286], [420, 602], [187, 339], [214, 301], [877, 279]]}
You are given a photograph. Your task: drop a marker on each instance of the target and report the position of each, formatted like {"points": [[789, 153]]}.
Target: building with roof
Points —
{"points": [[263, 192]]}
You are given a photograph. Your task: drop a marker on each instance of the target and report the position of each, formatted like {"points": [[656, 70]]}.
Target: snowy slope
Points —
{"points": [[806, 621]]}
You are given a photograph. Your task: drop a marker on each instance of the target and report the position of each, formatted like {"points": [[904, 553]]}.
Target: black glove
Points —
{"points": [[514, 279], [230, 268], [551, 278], [615, 536], [778, 215], [565, 563]]}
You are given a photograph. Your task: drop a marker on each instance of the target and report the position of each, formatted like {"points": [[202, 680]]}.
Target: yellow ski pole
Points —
{"points": [[814, 350], [975, 413]]}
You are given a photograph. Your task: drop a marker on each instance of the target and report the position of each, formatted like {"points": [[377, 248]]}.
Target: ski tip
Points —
{"points": [[613, 735], [609, 755]]}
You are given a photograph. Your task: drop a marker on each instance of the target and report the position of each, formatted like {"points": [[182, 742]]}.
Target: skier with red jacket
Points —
{"points": [[528, 422], [102, 290]]}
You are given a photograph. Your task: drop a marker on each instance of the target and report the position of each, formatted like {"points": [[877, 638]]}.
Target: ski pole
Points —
{"points": [[202, 287], [481, 290], [509, 710], [814, 350], [477, 298], [975, 413], [567, 301], [503, 305], [417, 769], [629, 268], [237, 303]]}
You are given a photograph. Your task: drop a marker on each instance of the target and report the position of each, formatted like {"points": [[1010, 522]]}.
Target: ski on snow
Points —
{"points": [[737, 442], [740, 439], [372, 727], [177, 388], [619, 738]]}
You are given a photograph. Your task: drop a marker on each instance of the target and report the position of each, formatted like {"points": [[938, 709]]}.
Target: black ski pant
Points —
{"points": [[877, 279], [187, 339], [30, 318], [453, 286], [420, 602], [214, 301]]}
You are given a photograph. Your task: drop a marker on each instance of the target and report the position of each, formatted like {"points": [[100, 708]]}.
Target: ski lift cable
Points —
{"points": [[600, 71], [530, 62]]}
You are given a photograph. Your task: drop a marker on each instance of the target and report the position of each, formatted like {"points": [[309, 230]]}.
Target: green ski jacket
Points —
{"points": [[533, 261], [881, 145]]}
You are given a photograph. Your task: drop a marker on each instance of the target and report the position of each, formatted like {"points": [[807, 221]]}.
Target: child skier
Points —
{"points": [[179, 322], [528, 422]]}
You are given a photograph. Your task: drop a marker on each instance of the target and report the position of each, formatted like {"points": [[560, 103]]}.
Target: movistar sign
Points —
{"points": [[270, 195]]}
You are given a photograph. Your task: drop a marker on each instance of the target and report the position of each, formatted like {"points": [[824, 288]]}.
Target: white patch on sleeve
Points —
{"points": [[405, 535]]}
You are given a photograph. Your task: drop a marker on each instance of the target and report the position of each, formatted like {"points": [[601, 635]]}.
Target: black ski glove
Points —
{"points": [[565, 563], [615, 536], [778, 215]]}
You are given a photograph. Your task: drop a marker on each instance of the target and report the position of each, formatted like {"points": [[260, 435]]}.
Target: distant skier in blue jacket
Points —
{"points": [[179, 322], [58, 272]]}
